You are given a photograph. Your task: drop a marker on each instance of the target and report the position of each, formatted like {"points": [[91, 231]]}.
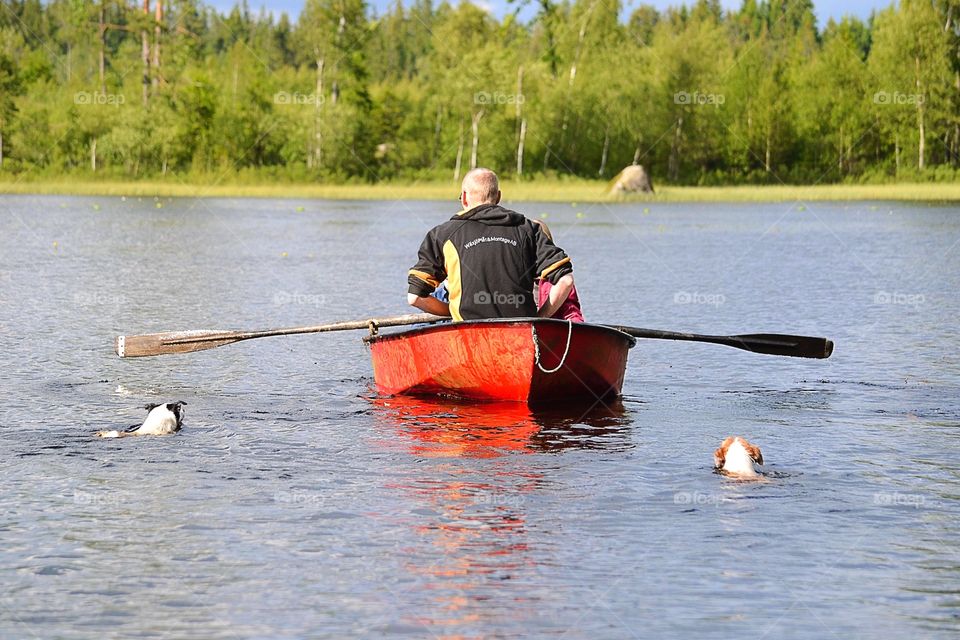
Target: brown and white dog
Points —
{"points": [[736, 457]]}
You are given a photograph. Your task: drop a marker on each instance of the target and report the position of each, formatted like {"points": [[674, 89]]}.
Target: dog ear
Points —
{"points": [[720, 455], [754, 452], [150, 407], [177, 409]]}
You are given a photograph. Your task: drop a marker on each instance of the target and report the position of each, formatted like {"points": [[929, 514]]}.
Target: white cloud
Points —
{"points": [[482, 4]]}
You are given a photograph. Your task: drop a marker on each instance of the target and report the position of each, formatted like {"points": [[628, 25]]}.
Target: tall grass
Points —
{"points": [[543, 190]]}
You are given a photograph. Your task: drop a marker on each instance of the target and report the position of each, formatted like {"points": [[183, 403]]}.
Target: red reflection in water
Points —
{"points": [[469, 504], [473, 430], [437, 428]]}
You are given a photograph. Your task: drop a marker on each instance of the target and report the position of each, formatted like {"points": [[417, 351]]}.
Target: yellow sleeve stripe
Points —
{"points": [[451, 261], [554, 267], [426, 277]]}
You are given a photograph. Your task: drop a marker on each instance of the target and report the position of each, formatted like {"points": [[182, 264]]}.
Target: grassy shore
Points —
{"points": [[573, 190]]}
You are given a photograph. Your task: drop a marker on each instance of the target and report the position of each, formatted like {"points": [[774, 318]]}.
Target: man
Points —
{"points": [[489, 257]]}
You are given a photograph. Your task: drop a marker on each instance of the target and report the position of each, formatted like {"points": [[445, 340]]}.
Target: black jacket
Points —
{"points": [[490, 257]]}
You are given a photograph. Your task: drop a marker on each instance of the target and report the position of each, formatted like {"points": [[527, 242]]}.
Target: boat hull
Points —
{"points": [[515, 360]]}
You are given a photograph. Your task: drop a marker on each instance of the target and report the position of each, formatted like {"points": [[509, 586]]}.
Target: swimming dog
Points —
{"points": [[162, 420], [736, 457]]}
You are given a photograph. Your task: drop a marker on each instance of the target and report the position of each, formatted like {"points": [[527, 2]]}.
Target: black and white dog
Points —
{"points": [[162, 420]]}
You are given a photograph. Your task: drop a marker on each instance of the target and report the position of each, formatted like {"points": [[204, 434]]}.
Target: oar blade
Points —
{"points": [[774, 344], [157, 344], [777, 344]]}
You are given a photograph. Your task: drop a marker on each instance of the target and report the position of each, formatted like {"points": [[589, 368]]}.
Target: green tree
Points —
{"points": [[911, 61], [831, 91], [333, 35], [689, 58], [10, 87]]}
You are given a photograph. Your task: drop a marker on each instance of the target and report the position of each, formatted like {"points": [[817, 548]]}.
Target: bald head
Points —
{"points": [[480, 186]]}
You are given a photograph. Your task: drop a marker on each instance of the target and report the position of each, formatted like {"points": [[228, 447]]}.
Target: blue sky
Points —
{"points": [[825, 10]]}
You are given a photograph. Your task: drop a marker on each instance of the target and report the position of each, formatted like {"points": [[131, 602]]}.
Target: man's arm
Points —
{"points": [[429, 304], [424, 278], [552, 264], [558, 295]]}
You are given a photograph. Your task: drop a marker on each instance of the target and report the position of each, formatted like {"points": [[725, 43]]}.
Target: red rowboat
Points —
{"points": [[529, 360]]}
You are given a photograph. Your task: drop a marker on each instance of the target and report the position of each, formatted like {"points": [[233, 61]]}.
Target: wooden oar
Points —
{"points": [[155, 344], [774, 344]]}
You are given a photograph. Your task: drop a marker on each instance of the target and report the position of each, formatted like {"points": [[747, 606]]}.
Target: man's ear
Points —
{"points": [[498, 197], [463, 199]]}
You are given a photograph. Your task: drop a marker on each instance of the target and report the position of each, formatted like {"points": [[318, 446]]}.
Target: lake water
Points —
{"points": [[298, 503]]}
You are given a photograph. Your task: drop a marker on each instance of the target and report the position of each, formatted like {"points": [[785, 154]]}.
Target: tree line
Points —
{"points": [[697, 95]]}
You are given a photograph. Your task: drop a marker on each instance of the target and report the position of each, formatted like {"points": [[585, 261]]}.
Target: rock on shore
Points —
{"points": [[633, 179]]}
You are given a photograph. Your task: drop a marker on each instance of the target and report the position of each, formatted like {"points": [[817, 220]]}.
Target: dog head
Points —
{"points": [[176, 408], [720, 455]]}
